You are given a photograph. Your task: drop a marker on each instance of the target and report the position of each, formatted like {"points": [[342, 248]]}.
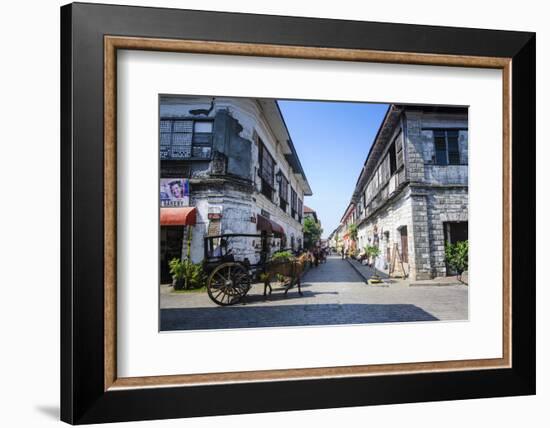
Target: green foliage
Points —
{"points": [[186, 274], [312, 232], [372, 251], [456, 256], [282, 256], [353, 231], [176, 268]]}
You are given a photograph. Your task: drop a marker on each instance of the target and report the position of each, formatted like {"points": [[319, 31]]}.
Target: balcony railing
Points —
{"points": [[389, 189]]}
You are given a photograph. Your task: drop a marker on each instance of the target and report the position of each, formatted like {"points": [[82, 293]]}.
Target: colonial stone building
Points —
{"points": [[411, 196], [242, 170]]}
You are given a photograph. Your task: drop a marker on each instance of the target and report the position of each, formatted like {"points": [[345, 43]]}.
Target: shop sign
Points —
{"points": [[174, 192], [214, 213]]}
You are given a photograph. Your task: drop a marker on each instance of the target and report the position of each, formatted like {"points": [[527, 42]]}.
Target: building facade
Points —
{"points": [[412, 194], [243, 173], [335, 238], [311, 213], [348, 221]]}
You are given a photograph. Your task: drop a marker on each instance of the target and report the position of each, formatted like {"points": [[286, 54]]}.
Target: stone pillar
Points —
{"points": [[420, 258], [437, 240], [414, 147]]}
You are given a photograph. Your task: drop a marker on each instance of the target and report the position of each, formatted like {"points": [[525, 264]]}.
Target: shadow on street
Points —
{"points": [[289, 315]]}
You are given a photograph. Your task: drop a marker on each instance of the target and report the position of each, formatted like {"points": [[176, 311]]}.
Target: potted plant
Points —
{"points": [[372, 252], [176, 271], [282, 256], [456, 256], [185, 274]]}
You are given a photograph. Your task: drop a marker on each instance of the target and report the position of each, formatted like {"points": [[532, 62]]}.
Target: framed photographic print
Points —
{"points": [[266, 213]]}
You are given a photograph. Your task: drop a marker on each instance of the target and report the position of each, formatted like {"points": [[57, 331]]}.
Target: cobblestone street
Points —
{"points": [[333, 293]]}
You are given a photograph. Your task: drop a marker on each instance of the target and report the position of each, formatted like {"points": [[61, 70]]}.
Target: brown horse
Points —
{"points": [[290, 270]]}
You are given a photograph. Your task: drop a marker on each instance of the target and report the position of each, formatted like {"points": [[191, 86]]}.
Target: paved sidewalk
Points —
{"points": [[367, 272], [333, 293]]}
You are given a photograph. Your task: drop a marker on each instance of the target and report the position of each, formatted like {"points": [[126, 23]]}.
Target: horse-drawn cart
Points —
{"points": [[233, 262]]}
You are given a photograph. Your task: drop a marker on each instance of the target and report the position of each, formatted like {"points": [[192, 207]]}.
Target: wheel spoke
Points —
{"points": [[223, 279], [216, 285], [228, 284]]}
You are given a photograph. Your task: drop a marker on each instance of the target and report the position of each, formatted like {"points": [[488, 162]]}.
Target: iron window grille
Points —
{"points": [[186, 139]]}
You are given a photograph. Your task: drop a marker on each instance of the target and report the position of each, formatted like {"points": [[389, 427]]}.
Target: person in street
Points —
{"points": [[316, 256]]}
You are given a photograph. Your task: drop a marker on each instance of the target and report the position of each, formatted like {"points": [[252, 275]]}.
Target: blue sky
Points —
{"points": [[332, 140]]}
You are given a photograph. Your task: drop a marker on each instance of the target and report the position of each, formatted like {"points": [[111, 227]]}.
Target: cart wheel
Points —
{"points": [[228, 283]]}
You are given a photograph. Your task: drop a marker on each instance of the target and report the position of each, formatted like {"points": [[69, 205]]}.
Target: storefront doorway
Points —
{"points": [[454, 231], [173, 222], [171, 241]]}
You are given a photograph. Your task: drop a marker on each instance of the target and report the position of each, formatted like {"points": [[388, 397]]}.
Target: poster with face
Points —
{"points": [[174, 192]]}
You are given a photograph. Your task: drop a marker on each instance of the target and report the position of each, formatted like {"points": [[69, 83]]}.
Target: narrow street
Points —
{"points": [[333, 293]]}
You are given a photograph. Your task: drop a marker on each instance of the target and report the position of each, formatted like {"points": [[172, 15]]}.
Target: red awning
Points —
{"points": [[186, 216], [277, 228], [268, 225]]}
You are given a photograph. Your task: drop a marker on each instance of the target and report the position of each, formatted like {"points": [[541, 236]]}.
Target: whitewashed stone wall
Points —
{"points": [[391, 218], [236, 206]]}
